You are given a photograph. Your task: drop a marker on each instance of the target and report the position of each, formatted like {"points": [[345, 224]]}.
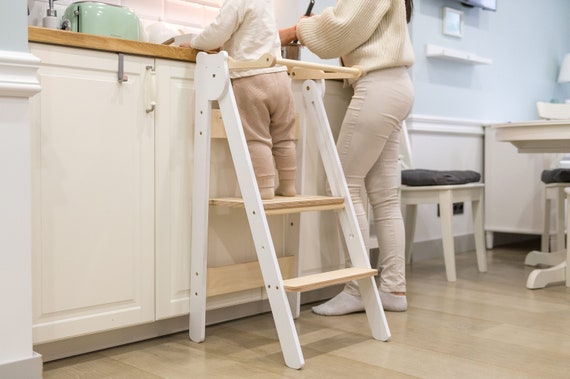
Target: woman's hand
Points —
{"points": [[288, 35]]}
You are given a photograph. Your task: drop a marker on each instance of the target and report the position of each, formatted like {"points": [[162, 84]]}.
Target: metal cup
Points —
{"points": [[291, 51]]}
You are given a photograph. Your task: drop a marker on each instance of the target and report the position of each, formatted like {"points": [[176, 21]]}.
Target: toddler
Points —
{"points": [[246, 29]]}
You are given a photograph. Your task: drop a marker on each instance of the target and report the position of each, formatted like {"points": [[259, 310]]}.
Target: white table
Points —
{"points": [[543, 136]]}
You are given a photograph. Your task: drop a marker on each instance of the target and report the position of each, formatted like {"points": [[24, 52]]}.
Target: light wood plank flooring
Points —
{"points": [[485, 325]]}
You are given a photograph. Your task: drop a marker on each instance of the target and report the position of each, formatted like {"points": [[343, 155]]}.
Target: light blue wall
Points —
{"points": [[14, 30], [526, 40]]}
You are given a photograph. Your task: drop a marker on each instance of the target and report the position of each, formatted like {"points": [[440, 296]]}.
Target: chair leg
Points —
{"points": [[446, 214], [560, 218], [567, 268], [478, 230], [545, 239], [489, 239], [410, 229]]}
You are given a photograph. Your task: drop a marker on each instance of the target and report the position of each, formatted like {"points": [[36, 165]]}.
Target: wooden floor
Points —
{"points": [[485, 325]]}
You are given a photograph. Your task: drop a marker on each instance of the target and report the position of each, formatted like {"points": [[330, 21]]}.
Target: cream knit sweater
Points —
{"points": [[246, 29], [370, 33]]}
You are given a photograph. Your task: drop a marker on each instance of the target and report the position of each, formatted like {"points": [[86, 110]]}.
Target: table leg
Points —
{"points": [[535, 258], [540, 278]]}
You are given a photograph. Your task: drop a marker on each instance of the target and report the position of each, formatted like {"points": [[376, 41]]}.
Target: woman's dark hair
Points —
{"points": [[409, 9]]}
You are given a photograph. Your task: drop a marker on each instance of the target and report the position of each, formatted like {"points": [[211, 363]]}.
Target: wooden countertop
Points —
{"points": [[115, 45]]}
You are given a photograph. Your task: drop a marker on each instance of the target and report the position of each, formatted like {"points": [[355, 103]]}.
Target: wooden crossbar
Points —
{"points": [[218, 130], [243, 276]]}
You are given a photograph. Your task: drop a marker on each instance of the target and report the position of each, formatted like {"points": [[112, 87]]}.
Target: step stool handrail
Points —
{"points": [[299, 69]]}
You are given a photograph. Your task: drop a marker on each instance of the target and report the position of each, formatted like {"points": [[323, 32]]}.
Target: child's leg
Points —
{"points": [[250, 99], [285, 161], [283, 134], [262, 162]]}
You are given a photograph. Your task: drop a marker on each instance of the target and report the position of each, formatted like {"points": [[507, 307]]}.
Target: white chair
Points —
{"points": [[553, 192], [443, 195]]}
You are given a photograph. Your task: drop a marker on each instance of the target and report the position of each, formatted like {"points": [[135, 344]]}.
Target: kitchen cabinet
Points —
{"points": [[92, 194], [514, 193]]}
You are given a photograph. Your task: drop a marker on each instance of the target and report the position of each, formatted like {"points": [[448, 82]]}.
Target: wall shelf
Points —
{"points": [[439, 52]]}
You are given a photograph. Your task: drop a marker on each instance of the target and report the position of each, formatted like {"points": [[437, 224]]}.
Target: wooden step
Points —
{"points": [[327, 279], [283, 204], [243, 276]]}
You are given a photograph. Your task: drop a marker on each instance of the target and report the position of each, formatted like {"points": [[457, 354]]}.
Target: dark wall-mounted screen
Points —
{"points": [[490, 5]]}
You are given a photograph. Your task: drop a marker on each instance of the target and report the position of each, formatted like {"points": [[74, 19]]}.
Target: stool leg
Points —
{"points": [[446, 214], [478, 229], [567, 268], [545, 239], [410, 229], [560, 218]]}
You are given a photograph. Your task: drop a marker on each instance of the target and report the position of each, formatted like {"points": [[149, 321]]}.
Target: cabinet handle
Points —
{"points": [[121, 72], [150, 89]]}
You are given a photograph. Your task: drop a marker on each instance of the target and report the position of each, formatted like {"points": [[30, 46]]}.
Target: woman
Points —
{"points": [[373, 35]]}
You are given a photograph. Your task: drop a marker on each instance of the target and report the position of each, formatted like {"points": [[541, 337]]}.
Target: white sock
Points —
{"points": [[345, 303], [394, 303], [342, 304]]}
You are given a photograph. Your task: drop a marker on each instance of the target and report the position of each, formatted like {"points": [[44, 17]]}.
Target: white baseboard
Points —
{"points": [[29, 368]]}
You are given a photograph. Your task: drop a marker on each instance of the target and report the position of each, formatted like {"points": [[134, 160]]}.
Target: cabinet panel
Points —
{"points": [[93, 193], [174, 144]]}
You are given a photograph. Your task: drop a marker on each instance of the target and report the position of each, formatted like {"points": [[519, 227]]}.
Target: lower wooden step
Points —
{"points": [[327, 279], [283, 204]]}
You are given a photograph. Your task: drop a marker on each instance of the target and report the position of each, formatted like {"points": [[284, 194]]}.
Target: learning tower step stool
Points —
{"points": [[212, 83]]}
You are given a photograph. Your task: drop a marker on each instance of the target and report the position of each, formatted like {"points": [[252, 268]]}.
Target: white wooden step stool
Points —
{"points": [[212, 81]]}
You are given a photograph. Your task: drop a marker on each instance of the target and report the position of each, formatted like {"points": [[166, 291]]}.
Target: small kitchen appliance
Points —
{"points": [[102, 19]]}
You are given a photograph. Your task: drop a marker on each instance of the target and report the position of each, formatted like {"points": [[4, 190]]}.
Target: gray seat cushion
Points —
{"points": [[422, 177], [557, 175]]}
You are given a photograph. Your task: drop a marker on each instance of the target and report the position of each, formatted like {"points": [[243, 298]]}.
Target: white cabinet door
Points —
{"points": [[93, 194], [514, 193], [174, 145]]}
